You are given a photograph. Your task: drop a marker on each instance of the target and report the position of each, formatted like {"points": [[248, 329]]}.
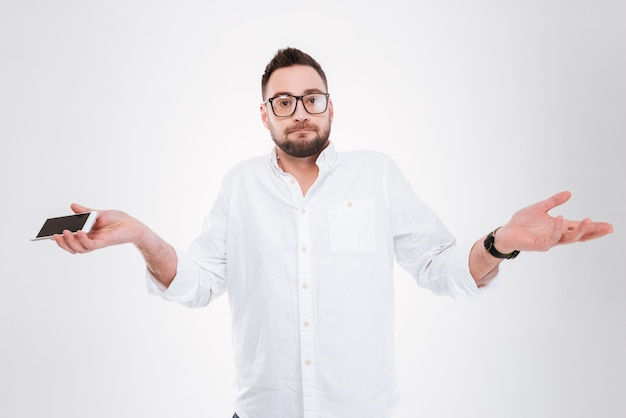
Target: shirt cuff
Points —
{"points": [[461, 284], [184, 285]]}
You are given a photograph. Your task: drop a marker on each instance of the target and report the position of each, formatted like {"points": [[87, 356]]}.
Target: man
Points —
{"points": [[304, 241]]}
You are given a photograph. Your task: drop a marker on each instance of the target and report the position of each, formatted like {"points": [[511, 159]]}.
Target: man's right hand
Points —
{"points": [[113, 227]]}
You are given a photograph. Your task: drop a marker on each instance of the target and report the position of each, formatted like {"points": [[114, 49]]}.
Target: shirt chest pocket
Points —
{"points": [[351, 226]]}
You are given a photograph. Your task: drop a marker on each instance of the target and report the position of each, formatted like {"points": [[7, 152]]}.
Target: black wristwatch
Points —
{"points": [[492, 248]]}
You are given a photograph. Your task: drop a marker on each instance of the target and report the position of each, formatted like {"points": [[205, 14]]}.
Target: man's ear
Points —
{"points": [[331, 110], [264, 115]]}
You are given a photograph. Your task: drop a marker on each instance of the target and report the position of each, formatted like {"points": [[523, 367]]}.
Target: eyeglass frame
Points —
{"points": [[298, 98]]}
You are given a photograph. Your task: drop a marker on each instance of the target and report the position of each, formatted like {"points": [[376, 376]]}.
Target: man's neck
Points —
{"points": [[303, 169]]}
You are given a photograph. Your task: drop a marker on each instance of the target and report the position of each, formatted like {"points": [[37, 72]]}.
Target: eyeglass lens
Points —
{"points": [[286, 105]]}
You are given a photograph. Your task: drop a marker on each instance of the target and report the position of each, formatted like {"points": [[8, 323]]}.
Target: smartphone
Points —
{"points": [[73, 223]]}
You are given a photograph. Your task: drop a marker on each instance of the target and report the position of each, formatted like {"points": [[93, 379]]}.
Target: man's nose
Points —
{"points": [[300, 114]]}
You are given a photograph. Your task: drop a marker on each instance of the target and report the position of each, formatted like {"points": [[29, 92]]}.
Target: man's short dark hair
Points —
{"points": [[289, 57]]}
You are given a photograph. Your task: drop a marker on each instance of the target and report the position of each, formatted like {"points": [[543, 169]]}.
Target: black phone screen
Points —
{"points": [[57, 225]]}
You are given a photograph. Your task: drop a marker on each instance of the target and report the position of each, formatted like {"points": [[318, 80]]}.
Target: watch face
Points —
{"points": [[489, 242]]}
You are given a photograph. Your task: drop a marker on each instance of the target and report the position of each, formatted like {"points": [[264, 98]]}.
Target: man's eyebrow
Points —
{"points": [[309, 91], [287, 93]]}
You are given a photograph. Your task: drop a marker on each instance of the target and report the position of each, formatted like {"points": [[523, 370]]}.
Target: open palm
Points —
{"points": [[533, 229]]}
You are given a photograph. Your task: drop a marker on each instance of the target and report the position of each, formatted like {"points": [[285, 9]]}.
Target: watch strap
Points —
{"points": [[491, 248]]}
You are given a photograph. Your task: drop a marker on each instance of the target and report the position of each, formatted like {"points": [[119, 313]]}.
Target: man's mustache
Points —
{"points": [[300, 126]]}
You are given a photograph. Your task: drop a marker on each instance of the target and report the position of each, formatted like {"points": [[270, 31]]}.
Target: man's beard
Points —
{"points": [[301, 148]]}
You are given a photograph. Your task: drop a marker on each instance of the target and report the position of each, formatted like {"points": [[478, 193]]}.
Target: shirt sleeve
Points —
{"points": [[188, 288], [201, 271], [424, 246]]}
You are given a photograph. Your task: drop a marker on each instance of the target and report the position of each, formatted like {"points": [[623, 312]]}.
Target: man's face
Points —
{"points": [[301, 134]]}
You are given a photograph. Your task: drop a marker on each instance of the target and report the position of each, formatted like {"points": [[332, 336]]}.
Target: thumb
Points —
{"points": [[556, 200], [80, 208]]}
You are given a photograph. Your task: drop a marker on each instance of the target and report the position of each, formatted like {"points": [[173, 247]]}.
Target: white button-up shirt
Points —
{"points": [[310, 281]]}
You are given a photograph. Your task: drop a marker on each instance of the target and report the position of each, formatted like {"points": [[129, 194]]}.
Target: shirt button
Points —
{"points": [[307, 362], [303, 211], [305, 324], [349, 204], [304, 249], [305, 285]]}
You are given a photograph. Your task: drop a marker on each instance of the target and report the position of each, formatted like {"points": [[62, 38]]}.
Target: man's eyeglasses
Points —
{"points": [[284, 105]]}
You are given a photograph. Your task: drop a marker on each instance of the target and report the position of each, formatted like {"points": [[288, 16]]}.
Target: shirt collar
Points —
{"points": [[328, 158]]}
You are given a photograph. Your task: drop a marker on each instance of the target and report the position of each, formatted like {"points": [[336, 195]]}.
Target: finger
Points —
{"points": [[83, 239], [60, 240], [73, 243], [575, 232], [557, 233], [597, 230]]}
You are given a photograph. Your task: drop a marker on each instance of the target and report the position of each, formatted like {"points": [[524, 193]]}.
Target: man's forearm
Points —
{"points": [[160, 257], [482, 265]]}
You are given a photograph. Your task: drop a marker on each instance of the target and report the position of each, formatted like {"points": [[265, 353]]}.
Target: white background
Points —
{"points": [[487, 106]]}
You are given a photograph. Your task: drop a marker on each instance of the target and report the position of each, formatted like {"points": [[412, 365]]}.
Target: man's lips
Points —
{"points": [[297, 129]]}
